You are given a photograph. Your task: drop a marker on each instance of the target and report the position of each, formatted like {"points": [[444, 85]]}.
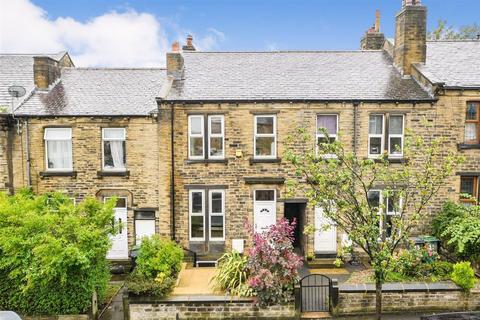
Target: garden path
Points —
{"points": [[195, 281]]}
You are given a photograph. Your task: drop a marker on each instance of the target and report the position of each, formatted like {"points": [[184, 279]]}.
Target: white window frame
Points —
{"points": [[263, 189], [321, 134], [192, 214], [196, 135], [113, 139], [138, 240], [216, 214], [216, 135], [374, 135], [384, 202], [396, 135], [266, 135], [46, 149], [105, 199]]}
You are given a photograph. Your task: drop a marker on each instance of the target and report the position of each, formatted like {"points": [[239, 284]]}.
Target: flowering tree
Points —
{"points": [[272, 264], [375, 202]]}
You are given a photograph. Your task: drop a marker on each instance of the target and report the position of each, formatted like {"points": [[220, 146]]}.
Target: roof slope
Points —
{"points": [[17, 69], [97, 91], [321, 75], [455, 63]]}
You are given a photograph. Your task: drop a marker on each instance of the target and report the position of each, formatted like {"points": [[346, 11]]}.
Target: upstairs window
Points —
{"points": [[472, 125], [58, 149], [216, 139], [394, 137], [213, 134], [195, 137], [113, 149], [328, 123], [469, 189], [265, 138]]}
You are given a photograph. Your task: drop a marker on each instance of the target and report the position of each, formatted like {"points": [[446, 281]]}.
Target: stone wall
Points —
{"points": [[204, 309], [407, 297], [60, 317]]}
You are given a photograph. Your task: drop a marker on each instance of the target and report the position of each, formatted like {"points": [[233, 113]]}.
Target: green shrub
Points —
{"points": [[232, 275], [139, 284], [464, 275], [442, 269], [158, 263], [158, 256], [52, 253]]}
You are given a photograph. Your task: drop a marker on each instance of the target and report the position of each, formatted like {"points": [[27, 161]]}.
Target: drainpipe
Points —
{"points": [[27, 151], [355, 116], [172, 178], [10, 140]]}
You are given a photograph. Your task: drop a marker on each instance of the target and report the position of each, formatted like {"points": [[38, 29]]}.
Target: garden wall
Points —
{"points": [[208, 307], [403, 297]]}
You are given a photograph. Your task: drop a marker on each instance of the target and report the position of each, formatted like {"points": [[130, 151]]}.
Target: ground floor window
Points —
{"points": [[388, 208], [469, 189], [144, 225], [207, 214]]}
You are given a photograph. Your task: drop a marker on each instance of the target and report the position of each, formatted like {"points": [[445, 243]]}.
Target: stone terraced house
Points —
{"points": [[193, 150]]}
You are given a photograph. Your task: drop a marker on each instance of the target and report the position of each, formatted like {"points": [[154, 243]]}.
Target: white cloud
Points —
{"points": [[271, 46], [114, 39]]}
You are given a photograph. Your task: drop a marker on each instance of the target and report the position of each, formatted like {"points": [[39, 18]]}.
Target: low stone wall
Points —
{"points": [[204, 307], [402, 297], [65, 317]]}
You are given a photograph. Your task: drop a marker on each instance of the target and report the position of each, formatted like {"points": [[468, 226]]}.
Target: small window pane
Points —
{"points": [[374, 198], [58, 134], [196, 226], [145, 215], [321, 140], [114, 133], [388, 225], [393, 204], [264, 195], [217, 202], [196, 125], [472, 111], [59, 154], [470, 131], [395, 145], [196, 146], [329, 122], [375, 124], [467, 185], [265, 125], [396, 125], [197, 206], [216, 227], [375, 145], [216, 146], [121, 203], [264, 146], [216, 125]]}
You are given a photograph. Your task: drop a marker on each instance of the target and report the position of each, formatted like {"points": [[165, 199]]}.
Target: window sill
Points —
{"points": [[106, 173], [466, 146], [389, 160], [265, 160], [193, 161], [264, 180], [58, 174]]}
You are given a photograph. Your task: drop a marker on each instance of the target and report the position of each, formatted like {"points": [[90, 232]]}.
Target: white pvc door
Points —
{"points": [[325, 240], [119, 249], [264, 209]]}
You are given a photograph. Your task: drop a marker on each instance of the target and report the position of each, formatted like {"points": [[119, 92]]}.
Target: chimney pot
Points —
{"points": [[176, 46], [377, 21], [189, 45]]}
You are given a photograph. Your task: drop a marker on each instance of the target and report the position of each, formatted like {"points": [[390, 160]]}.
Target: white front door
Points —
{"points": [[264, 209], [325, 240], [119, 249]]}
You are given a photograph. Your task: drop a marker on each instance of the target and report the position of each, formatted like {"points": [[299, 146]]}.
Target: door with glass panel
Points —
{"points": [[119, 249], [264, 209], [206, 218]]}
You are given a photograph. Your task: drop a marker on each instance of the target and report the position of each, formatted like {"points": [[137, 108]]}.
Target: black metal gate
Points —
{"points": [[315, 293]]}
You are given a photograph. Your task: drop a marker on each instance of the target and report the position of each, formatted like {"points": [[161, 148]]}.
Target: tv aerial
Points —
{"points": [[16, 92]]}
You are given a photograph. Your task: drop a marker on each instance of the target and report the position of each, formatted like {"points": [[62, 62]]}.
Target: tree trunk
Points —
{"points": [[378, 299]]}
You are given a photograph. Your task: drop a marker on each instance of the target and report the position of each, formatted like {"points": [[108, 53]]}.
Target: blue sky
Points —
{"points": [[267, 24], [116, 33]]}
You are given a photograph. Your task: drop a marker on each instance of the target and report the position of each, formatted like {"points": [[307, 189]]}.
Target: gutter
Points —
{"points": [[427, 100]]}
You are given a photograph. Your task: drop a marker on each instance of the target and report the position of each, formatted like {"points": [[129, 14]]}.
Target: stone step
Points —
{"points": [[316, 315], [322, 263]]}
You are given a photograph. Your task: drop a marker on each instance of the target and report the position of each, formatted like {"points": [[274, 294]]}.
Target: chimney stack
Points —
{"points": [[189, 46], [373, 38], [45, 71], [410, 36], [175, 62]]}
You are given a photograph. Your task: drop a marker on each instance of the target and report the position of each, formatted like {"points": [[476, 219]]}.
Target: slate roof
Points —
{"points": [[455, 63], [98, 91], [299, 75], [17, 69]]}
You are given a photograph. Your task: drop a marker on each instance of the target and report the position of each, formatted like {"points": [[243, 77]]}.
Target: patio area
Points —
{"points": [[195, 281]]}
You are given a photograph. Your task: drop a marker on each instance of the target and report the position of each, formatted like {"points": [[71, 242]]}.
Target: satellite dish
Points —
{"points": [[16, 91]]}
